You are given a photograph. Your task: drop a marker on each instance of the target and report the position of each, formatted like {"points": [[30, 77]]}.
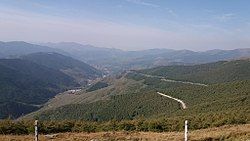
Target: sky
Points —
{"points": [[129, 24]]}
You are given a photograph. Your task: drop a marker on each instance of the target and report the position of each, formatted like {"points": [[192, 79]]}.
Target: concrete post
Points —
{"points": [[186, 130], [36, 130]]}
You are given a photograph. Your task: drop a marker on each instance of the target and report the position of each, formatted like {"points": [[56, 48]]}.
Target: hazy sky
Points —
{"points": [[129, 24]]}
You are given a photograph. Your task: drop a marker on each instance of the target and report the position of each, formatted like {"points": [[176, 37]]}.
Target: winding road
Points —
{"points": [[183, 105], [184, 82], [174, 81]]}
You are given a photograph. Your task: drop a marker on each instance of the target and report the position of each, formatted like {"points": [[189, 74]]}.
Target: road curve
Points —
{"points": [[183, 105], [184, 82], [174, 81]]}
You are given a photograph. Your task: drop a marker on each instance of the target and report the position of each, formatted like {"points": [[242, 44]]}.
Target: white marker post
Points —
{"points": [[186, 130], [36, 130]]}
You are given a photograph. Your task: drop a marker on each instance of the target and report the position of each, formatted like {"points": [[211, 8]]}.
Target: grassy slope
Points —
{"points": [[226, 133]]}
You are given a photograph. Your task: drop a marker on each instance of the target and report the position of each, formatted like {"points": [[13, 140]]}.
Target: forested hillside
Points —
{"points": [[224, 71], [72, 67], [24, 86], [225, 100]]}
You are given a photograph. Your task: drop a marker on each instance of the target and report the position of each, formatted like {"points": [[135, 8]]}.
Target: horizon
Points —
{"points": [[129, 25], [43, 44]]}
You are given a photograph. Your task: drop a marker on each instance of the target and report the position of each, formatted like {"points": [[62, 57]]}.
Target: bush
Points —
{"points": [[11, 127]]}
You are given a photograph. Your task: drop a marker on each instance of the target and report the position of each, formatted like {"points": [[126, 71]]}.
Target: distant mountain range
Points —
{"points": [[114, 60], [17, 48]]}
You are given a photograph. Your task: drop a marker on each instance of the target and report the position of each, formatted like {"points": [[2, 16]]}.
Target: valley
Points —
{"points": [[124, 70], [28, 82], [74, 96], [119, 99]]}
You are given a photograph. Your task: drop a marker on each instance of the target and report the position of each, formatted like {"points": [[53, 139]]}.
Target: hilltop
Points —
{"points": [[16, 49], [219, 72]]}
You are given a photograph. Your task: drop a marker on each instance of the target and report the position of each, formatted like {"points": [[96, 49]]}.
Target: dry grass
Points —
{"points": [[229, 133]]}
